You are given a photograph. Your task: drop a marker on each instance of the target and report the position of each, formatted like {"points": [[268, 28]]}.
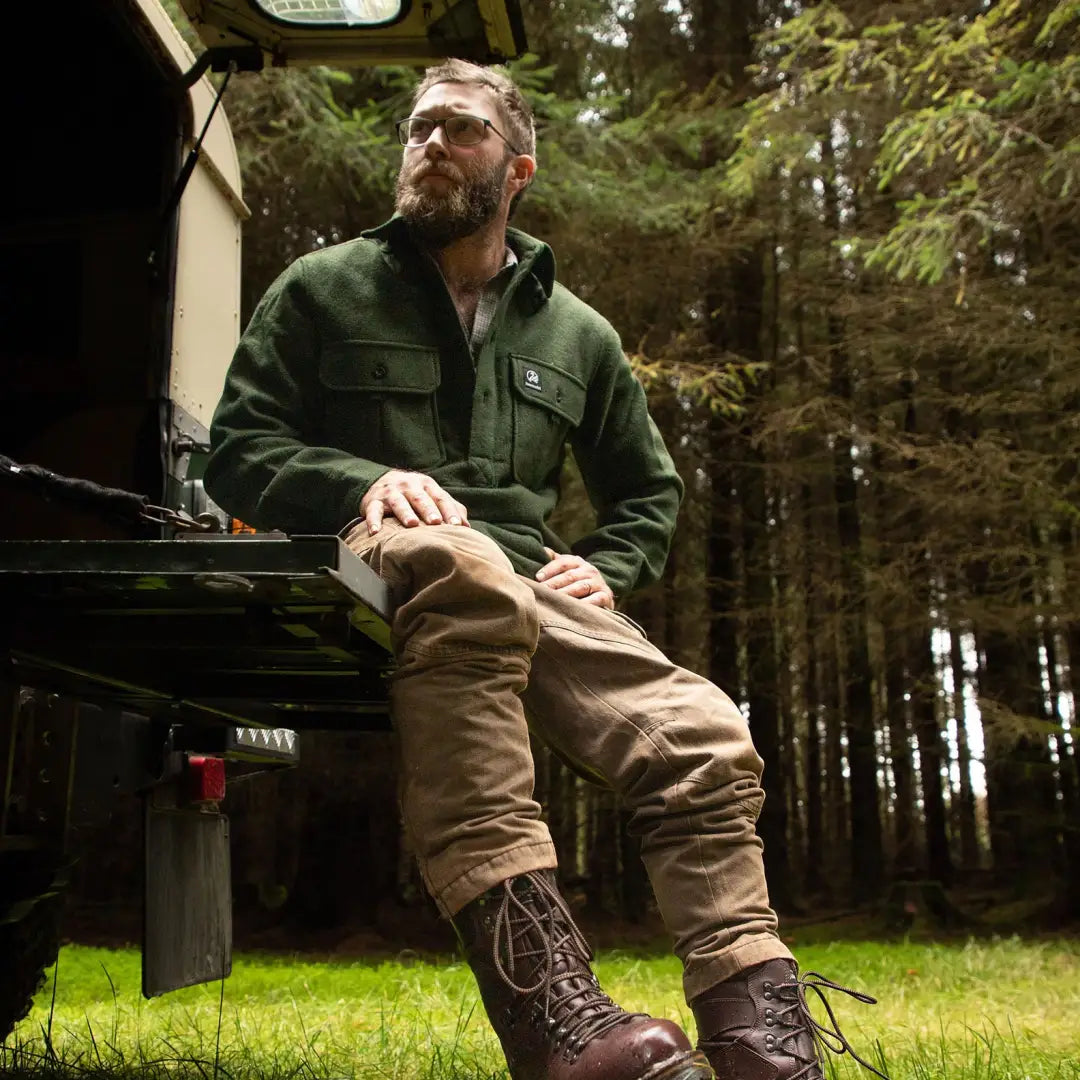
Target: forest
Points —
{"points": [[841, 244]]}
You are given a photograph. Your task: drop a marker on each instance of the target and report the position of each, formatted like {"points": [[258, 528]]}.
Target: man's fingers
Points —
{"points": [[601, 598], [413, 499], [576, 577], [572, 581], [373, 516], [453, 513], [402, 509], [425, 506], [561, 564], [592, 589]]}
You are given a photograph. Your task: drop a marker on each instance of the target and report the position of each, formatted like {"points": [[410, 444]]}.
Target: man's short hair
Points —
{"points": [[515, 113]]}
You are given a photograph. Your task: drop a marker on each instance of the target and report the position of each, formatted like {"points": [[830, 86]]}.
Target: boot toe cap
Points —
{"points": [[643, 1049]]}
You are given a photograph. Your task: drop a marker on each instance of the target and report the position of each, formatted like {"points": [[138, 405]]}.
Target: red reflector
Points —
{"points": [[206, 779]]}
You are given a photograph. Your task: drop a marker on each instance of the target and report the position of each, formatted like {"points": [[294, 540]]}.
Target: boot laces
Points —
{"points": [[535, 935], [797, 1018]]}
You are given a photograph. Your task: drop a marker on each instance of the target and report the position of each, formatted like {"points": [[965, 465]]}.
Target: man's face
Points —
{"points": [[446, 192]]}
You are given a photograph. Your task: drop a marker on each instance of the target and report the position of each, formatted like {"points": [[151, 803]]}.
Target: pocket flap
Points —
{"points": [[549, 387], [379, 367]]}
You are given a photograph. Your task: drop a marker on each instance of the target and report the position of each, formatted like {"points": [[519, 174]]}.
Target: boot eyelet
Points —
{"points": [[770, 1017], [768, 991], [770, 1042]]}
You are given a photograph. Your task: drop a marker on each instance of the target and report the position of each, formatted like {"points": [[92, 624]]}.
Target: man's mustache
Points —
{"points": [[433, 168]]}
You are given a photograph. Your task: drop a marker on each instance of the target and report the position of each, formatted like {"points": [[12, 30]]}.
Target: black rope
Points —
{"points": [[101, 500], [84, 494]]}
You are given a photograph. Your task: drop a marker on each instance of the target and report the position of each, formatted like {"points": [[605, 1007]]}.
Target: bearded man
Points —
{"points": [[416, 389]]}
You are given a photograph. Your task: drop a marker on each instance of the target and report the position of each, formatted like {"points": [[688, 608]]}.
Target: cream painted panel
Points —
{"points": [[206, 314], [218, 145]]}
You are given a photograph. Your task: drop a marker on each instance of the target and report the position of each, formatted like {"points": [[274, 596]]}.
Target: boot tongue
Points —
{"points": [[546, 934], [554, 939]]}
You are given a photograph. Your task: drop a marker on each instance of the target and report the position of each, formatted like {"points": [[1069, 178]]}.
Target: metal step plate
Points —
{"points": [[275, 633]]}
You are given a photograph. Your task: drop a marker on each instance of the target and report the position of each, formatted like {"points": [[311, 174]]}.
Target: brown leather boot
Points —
{"points": [[553, 1020], [757, 1026]]}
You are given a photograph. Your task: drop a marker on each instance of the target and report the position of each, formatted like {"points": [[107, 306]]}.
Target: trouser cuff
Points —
{"points": [[466, 887], [746, 953]]}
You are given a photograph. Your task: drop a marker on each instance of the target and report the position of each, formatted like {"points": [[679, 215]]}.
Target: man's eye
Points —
{"points": [[465, 127], [419, 129]]}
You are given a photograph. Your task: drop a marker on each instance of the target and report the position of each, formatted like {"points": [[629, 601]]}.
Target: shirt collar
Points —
{"points": [[533, 256]]}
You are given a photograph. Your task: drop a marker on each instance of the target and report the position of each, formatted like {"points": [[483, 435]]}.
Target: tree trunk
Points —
{"points": [[836, 850], [866, 839], [723, 583], [866, 847], [792, 687], [813, 845], [635, 891], [906, 852], [924, 679], [761, 683], [602, 885], [931, 756], [1019, 775]]}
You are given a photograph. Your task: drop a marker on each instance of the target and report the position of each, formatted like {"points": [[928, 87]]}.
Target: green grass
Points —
{"points": [[987, 1010]]}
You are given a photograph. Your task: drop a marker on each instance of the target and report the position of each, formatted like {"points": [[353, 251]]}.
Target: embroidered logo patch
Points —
{"points": [[532, 379]]}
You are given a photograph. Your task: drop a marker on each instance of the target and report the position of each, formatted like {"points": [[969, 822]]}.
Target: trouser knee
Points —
{"points": [[455, 592]]}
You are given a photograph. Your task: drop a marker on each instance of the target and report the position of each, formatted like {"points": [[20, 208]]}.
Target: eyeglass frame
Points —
{"points": [[441, 122]]}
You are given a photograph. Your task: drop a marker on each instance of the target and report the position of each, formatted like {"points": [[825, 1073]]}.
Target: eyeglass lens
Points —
{"points": [[461, 130]]}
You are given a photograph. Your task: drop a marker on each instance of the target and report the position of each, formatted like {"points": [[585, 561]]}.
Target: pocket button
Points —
{"points": [[380, 371]]}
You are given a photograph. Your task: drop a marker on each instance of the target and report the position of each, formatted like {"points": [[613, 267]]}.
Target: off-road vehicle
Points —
{"points": [[143, 647]]}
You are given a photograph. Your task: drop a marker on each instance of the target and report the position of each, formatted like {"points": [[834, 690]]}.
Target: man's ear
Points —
{"points": [[522, 170]]}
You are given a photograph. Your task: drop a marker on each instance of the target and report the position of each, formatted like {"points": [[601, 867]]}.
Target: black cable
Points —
{"points": [[81, 493]]}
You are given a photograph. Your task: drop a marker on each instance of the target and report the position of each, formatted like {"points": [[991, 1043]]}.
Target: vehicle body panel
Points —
{"points": [[486, 31]]}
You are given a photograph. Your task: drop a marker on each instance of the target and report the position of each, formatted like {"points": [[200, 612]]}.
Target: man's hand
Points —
{"points": [[412, 498], [573, 575]]}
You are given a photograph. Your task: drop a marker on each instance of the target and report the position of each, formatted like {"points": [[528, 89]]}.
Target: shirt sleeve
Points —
{"points": [[629, 476], [265, 466]]}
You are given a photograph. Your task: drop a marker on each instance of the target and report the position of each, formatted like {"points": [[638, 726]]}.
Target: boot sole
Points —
{"points": [[692, 1066]]}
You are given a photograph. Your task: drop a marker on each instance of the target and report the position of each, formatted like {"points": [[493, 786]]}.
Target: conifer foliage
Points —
{"points": [[841, 244]]}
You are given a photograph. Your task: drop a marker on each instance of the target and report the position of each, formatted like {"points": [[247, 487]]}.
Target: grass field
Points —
{"points": [[987, 1010]]}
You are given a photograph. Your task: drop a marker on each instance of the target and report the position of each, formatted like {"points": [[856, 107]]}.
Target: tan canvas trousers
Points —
{"points": [[478, 647]]}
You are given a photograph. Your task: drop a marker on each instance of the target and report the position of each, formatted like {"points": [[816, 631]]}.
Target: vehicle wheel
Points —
{"points": [[29, 942]]}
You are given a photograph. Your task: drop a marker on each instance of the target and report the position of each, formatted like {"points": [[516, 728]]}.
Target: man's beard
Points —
{"points": [[436, 218]]}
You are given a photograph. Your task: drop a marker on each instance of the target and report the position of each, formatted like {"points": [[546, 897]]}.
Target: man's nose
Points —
{"points": [[437, 145]]}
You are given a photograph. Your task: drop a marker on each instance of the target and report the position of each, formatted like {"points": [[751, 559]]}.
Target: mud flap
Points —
{"points": [[187, 920]]}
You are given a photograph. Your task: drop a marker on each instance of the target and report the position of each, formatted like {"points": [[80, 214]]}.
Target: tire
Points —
{"points": [[29, 943]]}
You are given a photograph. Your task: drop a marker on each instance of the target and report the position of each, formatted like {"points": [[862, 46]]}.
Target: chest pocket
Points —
{"points": [[380, 402], [547, 402]]}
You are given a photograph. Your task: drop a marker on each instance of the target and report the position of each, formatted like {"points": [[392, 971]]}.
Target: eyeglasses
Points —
{"points": [[461, 129]]}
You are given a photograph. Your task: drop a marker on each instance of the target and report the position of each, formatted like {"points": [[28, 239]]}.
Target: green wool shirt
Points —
{"points": [[355, 362]]}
